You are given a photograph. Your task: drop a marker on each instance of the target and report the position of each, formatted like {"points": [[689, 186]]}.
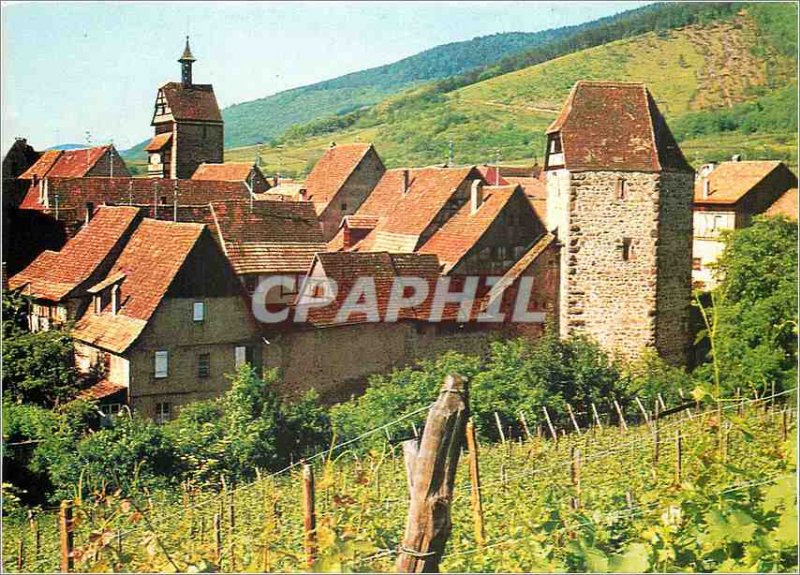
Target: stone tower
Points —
{"points": [[188, 126], [619, 197]]}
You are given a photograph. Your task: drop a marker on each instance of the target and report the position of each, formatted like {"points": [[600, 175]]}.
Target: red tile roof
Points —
{"points": [[536, 191], [615, 126], [493, 175], [158, 142], [55, 275], [786, 205], [43, 165], [405, 217], [101, 389], [227, 172], [150, 261], [729, 182], [346, 267], [464, 230], [196, 102], [332, 171]]}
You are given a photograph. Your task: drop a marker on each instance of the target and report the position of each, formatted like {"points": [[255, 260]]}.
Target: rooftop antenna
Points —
{"points": [[56, 205], [497, 167], [88, 147], [155, 199], [130, 193], [450, 159], [111, 159], [175, 201]]}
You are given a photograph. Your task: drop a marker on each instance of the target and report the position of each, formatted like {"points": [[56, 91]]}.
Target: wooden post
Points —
{"points": [[596, 417], [661, 401], [232, 532], [20, 554], [499, 427], [67, 538], [622, 425], [428, 526], [475, 480], [644, 412], [550, 425], [217, 540], [309, 514], [576, 477], [656, 440], [524, 425], [784, 425], [678, 457], [410, 450], [572, 417]]}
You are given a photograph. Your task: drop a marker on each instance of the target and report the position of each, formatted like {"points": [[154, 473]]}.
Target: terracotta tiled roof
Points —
{"points": [[332, 171], [272, 237], [158, 142], [43, 165], [150, 261], [615, 126], [77, 163], [346, 267], [493, 175], [74, 193], [729, 182], [786, 205], [54, 275], [101, 389], [404, 217], [196, 102], [536, 191], [227, 172], [461, 232]]}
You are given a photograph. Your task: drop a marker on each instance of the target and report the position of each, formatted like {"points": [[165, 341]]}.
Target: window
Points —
{"points": [[155, 159], [344, 207], [621, 190], [251, 283], [717, 225], [242, 354], [204, 365], [161, 364], [501, 252], [555, 145], [111, 409], [162, 412], [627, 249], [198, 311], [163, 200], [518, 252], [697, 264]]}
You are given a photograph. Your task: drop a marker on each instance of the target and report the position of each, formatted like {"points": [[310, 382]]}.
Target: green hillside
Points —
{"points": [[726, 87]]}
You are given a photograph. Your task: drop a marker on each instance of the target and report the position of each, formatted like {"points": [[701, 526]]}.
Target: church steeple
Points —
{"points": [[186, 61]]}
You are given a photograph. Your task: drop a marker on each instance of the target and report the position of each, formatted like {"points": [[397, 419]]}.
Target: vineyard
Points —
{"points": [[700, 489]]}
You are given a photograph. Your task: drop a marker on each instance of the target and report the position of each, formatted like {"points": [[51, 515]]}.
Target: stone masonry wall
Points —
{"points": [[674, 278], [602, 295], [195, 144]]}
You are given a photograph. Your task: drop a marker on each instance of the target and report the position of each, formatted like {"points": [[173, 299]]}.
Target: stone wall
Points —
{"points": [[612, 299], [338, 361], [674, 254], [195, 144], [352, 194]]}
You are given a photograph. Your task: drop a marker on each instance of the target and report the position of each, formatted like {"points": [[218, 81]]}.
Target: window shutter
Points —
{"points": [[162, 363]]}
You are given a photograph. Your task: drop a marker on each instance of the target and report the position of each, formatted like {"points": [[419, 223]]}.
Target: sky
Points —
{"points": [[69, 68]]}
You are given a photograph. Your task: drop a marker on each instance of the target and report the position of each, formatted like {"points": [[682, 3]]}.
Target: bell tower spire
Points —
{"points": [[186, 61]]}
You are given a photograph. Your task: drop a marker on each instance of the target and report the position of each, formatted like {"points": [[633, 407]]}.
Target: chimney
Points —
{"points": [[277, 179], [476, 196], [301, 194], [347, 237], [406, 181], [89, 211], [706, 189], [115, 299]]}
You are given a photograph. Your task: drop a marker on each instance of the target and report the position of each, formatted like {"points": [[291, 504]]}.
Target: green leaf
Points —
{"points": [[596, 560], [742, 526], [635, 560]]}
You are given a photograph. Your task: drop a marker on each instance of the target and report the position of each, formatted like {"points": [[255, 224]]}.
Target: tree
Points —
{"points": [[755, 320]]}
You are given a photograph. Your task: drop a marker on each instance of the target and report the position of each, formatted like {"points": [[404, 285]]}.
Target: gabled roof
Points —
{"points": [[195, 103], [406, 216], [227, 172], [332, 171], [493, 175], [150, 261], [729, 182], [269, 236], [41, 166], [615, 126], [56, 275], [464, 230], [66, 163], [346, 267], [786, 205], [158, 142]]}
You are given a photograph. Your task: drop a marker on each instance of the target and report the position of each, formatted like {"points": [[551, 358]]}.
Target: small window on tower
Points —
{"points": [[621, 189], [163, 200], [627, 249]]}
